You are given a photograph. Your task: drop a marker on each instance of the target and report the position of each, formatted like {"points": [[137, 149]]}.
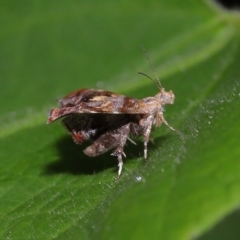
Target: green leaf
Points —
{"points": [[188, 188]]}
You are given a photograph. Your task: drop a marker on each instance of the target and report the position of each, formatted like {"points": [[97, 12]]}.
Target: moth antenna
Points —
{"points": [[157, 84], [151, 65]]}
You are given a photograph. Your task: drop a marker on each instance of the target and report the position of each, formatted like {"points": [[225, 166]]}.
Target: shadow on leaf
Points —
{"points": [[73, 160]]}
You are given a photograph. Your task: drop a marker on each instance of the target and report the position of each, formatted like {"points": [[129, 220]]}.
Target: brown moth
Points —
{"points": [[108, 119]]}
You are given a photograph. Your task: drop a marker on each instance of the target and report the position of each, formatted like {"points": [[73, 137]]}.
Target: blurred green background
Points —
{"points": [[190, 186]]}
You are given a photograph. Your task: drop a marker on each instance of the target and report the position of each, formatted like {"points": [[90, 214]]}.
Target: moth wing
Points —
{"points": [[98, 101], [95, 101]]}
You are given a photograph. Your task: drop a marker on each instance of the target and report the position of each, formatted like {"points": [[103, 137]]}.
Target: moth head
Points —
{"points": [[166, 97], [162, 97]]}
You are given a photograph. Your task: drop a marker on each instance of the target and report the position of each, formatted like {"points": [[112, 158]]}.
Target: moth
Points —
{"points": [[109, 119]]}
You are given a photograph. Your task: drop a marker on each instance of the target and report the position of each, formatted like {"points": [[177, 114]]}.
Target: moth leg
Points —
{"points": [[146, 123], [145, 148], [122, 137], [131, 141], [109, 140], [120, 165], [78, 137], [119, 152], [166, 123]]}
